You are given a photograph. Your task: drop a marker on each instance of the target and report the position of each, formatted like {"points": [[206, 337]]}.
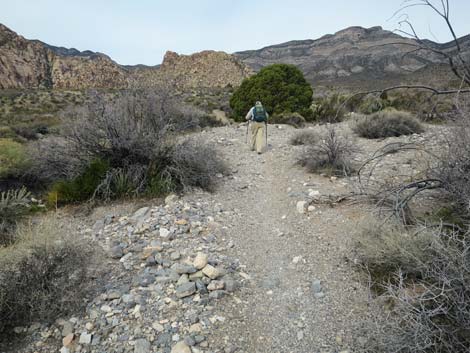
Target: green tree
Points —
{"points": [[280, 87]]}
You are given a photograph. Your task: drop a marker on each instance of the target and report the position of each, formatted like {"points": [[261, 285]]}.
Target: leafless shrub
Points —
{"points": [[453, 169], [331, 155], [42, 275], [136, 134], [195, 164], [305, 137], [388, 123], [425, 288]]}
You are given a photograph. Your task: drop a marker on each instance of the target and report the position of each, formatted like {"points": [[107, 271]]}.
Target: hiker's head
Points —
{"points": [[258, 103]]}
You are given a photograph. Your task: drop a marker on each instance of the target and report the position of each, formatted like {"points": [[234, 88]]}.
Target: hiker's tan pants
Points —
{"points": [[257, 136]]}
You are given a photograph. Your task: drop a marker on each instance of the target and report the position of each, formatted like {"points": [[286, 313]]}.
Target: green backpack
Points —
{"points": [[259, 114]]}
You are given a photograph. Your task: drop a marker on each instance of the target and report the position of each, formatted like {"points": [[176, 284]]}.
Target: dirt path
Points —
{"points": [[285, 252]]}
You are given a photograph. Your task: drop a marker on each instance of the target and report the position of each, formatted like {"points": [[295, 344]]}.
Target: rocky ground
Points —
{"points": [[264, 264]]}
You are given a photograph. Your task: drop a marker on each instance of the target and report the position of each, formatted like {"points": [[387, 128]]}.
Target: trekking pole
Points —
{"points": [[247, 127], [266, 131]]}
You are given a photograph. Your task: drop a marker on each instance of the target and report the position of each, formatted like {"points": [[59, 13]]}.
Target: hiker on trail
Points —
{"points": [[259, 119]]}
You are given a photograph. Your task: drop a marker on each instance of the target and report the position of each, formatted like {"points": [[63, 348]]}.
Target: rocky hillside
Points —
{"points": [[34, 64], [201, 70], [356, 56]]}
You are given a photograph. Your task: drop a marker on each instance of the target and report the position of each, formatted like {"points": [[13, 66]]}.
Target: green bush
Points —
{"points": [[280, 87], [294, 119], [43, 275], [387, 124], [14, 205], [13, 158], [82, 187]]}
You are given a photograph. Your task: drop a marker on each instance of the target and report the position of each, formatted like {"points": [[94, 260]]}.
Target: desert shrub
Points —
{"points": [[372, 104], [294, 119], [7, 132], [280, 87], [331, 155], [43, 275], [13, 158], [135, 136], [193, 164], [328, 109], [80, 188], [424, 275], [387, 124], [453, 167], [306, 137], [14, 205]]}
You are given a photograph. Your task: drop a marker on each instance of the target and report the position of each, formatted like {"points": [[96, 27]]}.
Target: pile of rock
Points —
{"points": [[166, 270]]}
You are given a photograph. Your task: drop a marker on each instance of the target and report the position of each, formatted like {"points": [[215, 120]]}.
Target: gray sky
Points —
{"points": [[140, 31]]}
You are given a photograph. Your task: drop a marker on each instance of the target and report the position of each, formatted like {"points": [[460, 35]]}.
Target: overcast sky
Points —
{"points": [[140, 31]]}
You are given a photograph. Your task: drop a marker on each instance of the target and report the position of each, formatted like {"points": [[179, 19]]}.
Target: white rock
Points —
{"points": [[302, 206], [211, 272], [85, 338], [164, 233], [181, 347], [200, 261], [314, 193], [311, 208]]}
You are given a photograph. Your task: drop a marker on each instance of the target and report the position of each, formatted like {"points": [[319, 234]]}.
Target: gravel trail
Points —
{"points": [[286, 253]]}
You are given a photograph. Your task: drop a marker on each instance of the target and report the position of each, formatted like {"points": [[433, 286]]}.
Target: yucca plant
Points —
{"points": [[14, 205]]}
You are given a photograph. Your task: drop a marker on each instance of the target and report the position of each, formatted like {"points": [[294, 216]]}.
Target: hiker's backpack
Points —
{"points": [[259, 114]]}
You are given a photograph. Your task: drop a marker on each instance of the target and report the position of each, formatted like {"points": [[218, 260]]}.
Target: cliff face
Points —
{"points": [[207, 69], [355, 54], [23, 63], [34, 64]]}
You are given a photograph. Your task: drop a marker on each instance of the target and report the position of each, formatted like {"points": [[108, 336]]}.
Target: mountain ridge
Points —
{"points": [[351, 57]]}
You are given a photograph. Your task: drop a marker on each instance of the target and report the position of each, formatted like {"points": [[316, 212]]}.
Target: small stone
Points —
{"points": [[89, 326], [185, 290], [85, 338], [319, 295], [211, 272], [196, 275], [297, 259], [182, 280], [300, 335], [142, 346], [200, 261], [158, 327], [175, 256], [302, 206], [195, 328], [181, 347], [170, 199], [217, 294], [67, 340], [64, 350], [311, 208], [164, 233], [116, 252], [182, 268], [316, 286], [140, 213], [106, 308], [216, 285], [67, 328], [230, 284], [189, 341]]}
